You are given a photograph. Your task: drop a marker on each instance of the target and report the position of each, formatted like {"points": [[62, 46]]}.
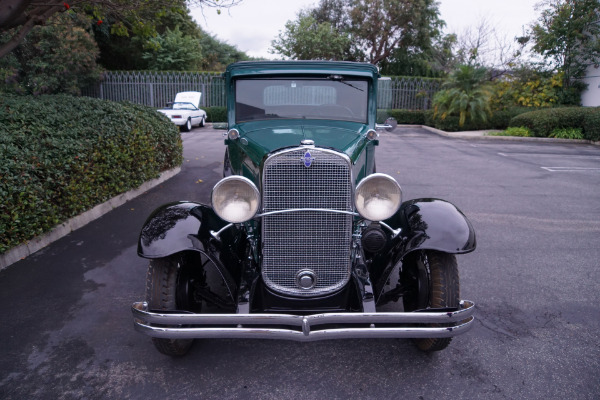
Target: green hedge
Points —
{"points": [[216, 114], [406, 117], [61, 155], [499, 119], [542, 123]]}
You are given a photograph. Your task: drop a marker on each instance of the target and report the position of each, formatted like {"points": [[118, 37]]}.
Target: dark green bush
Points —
{"points": [[499, 119], [543, 122], [216, 114], [61, 155], [513, 131], [591, 124], [404, 117]]}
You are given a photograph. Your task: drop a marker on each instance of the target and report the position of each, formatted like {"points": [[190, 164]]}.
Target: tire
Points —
{"points": [[433, 277], [188, 126], [167, 283], [202, 122]]}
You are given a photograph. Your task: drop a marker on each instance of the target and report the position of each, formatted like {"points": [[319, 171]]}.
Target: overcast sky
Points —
{"points": [[252, 25]]}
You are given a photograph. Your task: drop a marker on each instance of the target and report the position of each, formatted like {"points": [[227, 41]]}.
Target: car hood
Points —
{"points": [[346, 137]]}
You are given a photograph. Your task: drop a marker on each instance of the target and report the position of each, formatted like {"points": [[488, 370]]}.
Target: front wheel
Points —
{"points": [[202, 122], [434, 282], [188, 126], [168, 287]]}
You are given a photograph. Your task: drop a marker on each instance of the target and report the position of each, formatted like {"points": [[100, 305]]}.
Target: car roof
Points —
{"points": [[346, 68]]}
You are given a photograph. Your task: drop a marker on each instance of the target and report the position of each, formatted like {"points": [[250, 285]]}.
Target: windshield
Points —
{"points": [[183, 106], [326, 98]]}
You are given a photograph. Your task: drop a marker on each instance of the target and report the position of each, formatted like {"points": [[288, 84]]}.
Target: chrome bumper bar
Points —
{"points": [[303, 328]]}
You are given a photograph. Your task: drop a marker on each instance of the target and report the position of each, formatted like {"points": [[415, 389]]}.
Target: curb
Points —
{"points": [[459, 135], [37, 243]]}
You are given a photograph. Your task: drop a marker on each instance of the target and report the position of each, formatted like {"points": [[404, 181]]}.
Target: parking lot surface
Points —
{"points": [[66, 330]]}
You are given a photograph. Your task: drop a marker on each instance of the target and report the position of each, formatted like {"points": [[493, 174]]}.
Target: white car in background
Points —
{"points": [[185, 111]]}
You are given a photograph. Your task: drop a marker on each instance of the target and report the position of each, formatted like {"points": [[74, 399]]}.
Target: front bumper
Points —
{"points": [[304, 328]]}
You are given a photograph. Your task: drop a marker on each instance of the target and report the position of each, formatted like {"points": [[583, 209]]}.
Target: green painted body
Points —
{"points": [[260, 138]]}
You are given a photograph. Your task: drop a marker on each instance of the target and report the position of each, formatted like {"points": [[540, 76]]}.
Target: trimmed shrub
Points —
{"points": [[404, 117], [499, 119], [513, 131], [61, 155], [216, 114], [567, 133], [543, 122], [591, 124]]}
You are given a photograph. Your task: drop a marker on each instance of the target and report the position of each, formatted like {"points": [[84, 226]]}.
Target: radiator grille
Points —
{"points": [[306, 240]]}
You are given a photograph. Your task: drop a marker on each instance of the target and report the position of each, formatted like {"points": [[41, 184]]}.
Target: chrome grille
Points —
{"points": [[318, 241]]}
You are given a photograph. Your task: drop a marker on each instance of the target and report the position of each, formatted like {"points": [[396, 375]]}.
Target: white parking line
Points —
{"points": [[569, 169]]}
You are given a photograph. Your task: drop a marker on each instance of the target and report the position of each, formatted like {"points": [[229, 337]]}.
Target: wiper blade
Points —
{"points": [[339, 78]]}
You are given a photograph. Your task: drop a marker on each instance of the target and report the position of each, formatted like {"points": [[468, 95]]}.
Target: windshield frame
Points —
{"points": [[306, 96]]}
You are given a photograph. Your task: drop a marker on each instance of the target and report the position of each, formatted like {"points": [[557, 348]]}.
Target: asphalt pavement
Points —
{"points": [[66, 328]]}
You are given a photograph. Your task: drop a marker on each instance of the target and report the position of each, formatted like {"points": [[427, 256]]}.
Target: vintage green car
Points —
{"points": [[303, 239]]}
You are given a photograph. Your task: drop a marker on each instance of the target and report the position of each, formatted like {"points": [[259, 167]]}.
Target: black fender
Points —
{"points": [[425, 224], [185, 226], [433, 224], [177, 227]]}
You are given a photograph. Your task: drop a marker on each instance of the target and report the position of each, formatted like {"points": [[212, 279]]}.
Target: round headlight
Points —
{"points": [[235, 199], [377, 197]]}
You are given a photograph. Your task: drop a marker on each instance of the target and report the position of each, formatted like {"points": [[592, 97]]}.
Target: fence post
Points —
{"points": [[152, 95]]}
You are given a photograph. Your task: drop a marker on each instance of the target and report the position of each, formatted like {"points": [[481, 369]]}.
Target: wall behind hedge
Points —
{"points": [[61, 155]]}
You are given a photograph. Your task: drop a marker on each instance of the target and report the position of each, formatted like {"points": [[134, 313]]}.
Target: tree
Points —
{"points": [[19, 17], [309, 39], [216, 55], [567, 34], [172, 51], [57, 57], [465, 93], [435, 60], [365, 30], [381, 26]]}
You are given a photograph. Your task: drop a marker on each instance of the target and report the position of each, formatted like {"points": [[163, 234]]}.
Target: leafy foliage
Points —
{"points": [[408, 117], [179, 44], [57, 57], [172, 51], [519, 131], [543, 123], [61, 155], [567, 133], [216, 114], [568, 34], [499, 119], [527, 88], [360, 30], [466, 93], [130, 17], [308, 39]]}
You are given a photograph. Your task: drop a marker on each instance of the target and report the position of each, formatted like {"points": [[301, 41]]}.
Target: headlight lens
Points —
{"points": [[377, 197], [235, 199]]}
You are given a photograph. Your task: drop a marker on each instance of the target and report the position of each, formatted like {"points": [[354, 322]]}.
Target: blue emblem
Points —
{"points": [[307, 159]]}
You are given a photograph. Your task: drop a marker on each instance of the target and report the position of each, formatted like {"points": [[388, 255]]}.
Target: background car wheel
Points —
{"points": [[188, 126], [202, 122], [168, 288], [434, 282]]}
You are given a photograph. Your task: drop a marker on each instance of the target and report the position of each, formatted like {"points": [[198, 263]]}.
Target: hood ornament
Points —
{"points": [[307, 159]]}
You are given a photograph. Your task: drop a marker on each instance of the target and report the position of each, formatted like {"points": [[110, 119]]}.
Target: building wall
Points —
{"points": [[591, 96]]}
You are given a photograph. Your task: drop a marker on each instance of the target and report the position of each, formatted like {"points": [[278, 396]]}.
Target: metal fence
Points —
{"points": [[407, 93], [155, 89]]}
